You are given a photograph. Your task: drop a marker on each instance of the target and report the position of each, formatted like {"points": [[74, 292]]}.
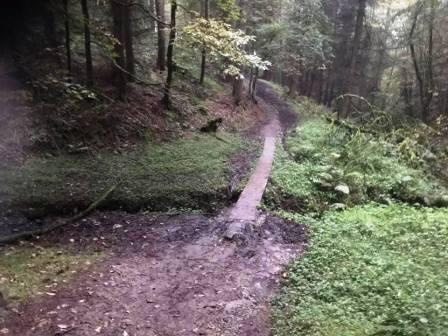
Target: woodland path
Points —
{"points": [[173, 275], [245, 211]]}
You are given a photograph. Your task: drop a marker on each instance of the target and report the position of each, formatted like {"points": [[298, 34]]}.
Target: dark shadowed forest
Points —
{"points": [[223, 167]]}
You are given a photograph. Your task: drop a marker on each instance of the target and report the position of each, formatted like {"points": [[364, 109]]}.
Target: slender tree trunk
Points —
{"points": [[251, 78], [87, 43], [129, 45], [361, 14], [204, 52], [161, 35], [170, 56], [254, 84], [321, 87], [430, 70], [425, 83], [418, 73], [152, 8], [406, 92], [331, 94], [311, 84], [295, 80], [326, 94], [445, 109], [50, 25], [68, 49], [304, 83], [238, 88], [118, 9]]}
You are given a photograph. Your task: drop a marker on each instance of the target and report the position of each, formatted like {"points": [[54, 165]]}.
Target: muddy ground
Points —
{"points": [[166, 276]]}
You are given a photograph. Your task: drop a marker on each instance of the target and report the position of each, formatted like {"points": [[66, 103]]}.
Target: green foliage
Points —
{"points": [[223, 42], [28, 271], [320, 157], [228, 10], [298, 39], [371, 270], [190, 173]]}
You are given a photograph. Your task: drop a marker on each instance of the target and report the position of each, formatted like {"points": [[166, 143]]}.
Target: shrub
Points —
{"points": [[322, 158]]}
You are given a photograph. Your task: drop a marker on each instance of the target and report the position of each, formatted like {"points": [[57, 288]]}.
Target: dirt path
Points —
{"points": [[170, 276]]}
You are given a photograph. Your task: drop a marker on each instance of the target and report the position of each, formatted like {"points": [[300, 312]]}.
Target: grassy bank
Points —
{"points": [[189, 173], [377, 254]]}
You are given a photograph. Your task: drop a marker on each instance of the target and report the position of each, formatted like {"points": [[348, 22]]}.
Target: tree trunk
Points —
{"points": [[50, 25], [204, 52], [120, 63], [430, 62], [251, 78], [331, 94], [129, 45], [311, 84], [170, 56], [304, 83], [87, 43], [326, 93], [152, 8], [320, 91], [254, 84], [361, 14], [238, 88], [68, 49], [425, 82], [406, 92], [161, 36]]}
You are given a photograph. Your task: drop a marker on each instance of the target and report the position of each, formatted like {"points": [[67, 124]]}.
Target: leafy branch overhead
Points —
{"points": [[222, 42]]}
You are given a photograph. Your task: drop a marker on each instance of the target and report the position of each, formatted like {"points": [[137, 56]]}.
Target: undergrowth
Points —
{"points": [[325, 165], [187, 173], [370, 270], [376, 261]]}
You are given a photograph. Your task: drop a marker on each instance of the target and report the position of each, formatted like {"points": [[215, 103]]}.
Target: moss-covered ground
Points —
{"points": [[190, 173]]}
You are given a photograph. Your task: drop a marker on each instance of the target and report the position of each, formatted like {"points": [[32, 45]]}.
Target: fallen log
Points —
{"points": [[57, 225]]}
